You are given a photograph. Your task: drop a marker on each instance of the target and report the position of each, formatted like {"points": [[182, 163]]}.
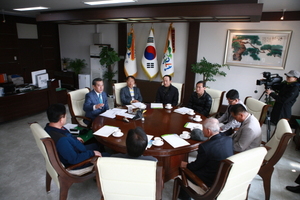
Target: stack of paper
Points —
{"points": [[157, 105], [139, 105], [116, 111], [183, 110], [174, 140], [106, 131]]}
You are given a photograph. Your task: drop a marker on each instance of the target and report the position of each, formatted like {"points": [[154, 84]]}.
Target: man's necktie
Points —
{"points": [[100, 98]]}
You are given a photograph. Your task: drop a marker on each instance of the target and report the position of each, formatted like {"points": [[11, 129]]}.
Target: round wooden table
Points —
{"points": [[157, 122]]}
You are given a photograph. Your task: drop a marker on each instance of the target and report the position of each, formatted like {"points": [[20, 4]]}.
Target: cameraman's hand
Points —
{"points": [[268, 91]]}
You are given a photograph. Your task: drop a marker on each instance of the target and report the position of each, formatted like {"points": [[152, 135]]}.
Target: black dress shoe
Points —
{"points": [[295, 189]]}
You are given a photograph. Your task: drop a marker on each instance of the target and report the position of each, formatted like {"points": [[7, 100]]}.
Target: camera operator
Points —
{"points": [[287, 93]]}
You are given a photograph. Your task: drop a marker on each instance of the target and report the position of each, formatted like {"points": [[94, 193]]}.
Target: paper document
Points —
{"points": [[70, 126], [149, 141], [139, 105], [113, 112], [183, 110], [174, 140], [106, 131], [157, 105], [192, 125]]}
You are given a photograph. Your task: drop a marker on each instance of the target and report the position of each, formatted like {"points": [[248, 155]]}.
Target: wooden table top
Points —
{"points": [[157, 122]]}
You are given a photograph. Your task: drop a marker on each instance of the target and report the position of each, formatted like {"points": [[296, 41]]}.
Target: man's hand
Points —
{"points": [[80, 139], [97, 153], [99, 106], [268, 91], [183, 164], [134, 101]]}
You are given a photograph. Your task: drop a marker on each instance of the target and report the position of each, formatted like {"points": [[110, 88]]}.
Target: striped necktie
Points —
{"points": [[100, 98]]}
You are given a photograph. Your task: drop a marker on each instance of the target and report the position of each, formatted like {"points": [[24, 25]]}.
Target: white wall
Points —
{"points": [[75, 40], [212, 41]]}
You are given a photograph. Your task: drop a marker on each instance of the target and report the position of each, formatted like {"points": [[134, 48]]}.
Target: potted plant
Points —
{"points": [[108, 58], [77, 65], [65, 63], [208, 70]]}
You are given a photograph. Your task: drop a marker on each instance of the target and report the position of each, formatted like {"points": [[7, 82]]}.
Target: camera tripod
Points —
{"points": [[268, 116]]}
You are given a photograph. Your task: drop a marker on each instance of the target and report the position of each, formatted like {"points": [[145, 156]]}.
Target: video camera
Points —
{"points": [[270, 80]]}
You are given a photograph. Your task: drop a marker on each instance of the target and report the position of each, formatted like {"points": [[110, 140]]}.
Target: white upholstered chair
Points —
{"points": [[232, 180], [217, 100], [116, 91], [180, 88], [75, 102], [55, 170], [278, 144], [128, 179], [258, 108]]}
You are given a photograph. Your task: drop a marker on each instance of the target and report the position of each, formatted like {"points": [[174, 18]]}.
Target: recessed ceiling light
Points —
{"points": [[31, 8], [92, 3]]}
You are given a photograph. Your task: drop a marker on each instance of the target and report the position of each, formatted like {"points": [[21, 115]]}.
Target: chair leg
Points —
{"points": [[266, 176], [176, 188], [48, 182], [64, 189]]}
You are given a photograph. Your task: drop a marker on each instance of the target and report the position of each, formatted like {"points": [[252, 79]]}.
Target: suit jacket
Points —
{"points": [[126, 97], [248, 136], [92, 99], [201, 105], [167, 95], [210, 153]]}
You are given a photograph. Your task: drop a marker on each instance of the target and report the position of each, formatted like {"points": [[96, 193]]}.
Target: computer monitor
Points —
{"points": [[34, 76]]}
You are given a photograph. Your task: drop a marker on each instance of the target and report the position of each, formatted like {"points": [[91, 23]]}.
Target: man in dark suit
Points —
{"points": [[130, 93], [167, 93], [96, 100], [210, 153]]}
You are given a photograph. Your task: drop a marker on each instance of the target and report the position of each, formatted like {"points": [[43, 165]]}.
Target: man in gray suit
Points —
{"points": [[248, 136], [130, 94]]}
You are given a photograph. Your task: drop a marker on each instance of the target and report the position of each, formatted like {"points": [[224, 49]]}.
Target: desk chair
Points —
{"points": [[75, 102], [217, 100], [180, 88], [63, 177], [258, 108], [232, 180], [278, 144], [116, 91], [128, 179]]}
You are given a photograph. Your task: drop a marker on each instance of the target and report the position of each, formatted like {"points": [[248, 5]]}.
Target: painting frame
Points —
{"points": [[257, 48]]}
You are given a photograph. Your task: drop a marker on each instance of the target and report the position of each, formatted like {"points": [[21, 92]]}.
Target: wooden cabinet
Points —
{"points": [[68, 80]]}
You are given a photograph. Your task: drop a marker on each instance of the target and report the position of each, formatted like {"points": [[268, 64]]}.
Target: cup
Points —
{"points": [[168, 105], [118, 133], [130, 110], [185, 134], [197, 117], [191, 112], [157, 140]]}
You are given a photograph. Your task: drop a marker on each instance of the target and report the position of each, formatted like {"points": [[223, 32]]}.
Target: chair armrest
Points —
{"points": [[90, 160], [191, 176], [264, 145]]}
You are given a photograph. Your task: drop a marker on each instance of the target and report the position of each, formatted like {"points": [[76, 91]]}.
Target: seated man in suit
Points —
{"points": [[200, 100], [136, 143], [248, 136], [210, 153], [229, 123], [167, 93], [130, 94], [70, 149], [95, 101]]}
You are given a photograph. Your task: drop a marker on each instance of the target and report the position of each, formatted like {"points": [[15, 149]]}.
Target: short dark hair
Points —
{"points": [[232, 94], [136, 142], [203, 83], [96, 80], [237, 108], [130, 77], [55, 112], [170, 77]]}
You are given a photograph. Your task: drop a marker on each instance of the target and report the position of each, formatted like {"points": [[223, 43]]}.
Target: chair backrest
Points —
{"points": [[180, 88], [127, 179], [75, 102], [39, 133], [258, 108], [244, 168], [282, 128], [217, 100], [116, 91]]}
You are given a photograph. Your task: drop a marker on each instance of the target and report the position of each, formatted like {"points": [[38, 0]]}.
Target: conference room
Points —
{"points": [[194, 39]]}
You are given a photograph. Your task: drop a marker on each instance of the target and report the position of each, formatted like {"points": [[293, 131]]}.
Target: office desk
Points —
{"points": [[157, 122]]}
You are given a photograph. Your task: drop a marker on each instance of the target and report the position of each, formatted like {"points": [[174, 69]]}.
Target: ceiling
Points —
{"points": [[7, 6]]}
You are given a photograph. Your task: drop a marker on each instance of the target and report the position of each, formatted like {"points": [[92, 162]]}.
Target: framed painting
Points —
{"points": [[257, 48]]}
